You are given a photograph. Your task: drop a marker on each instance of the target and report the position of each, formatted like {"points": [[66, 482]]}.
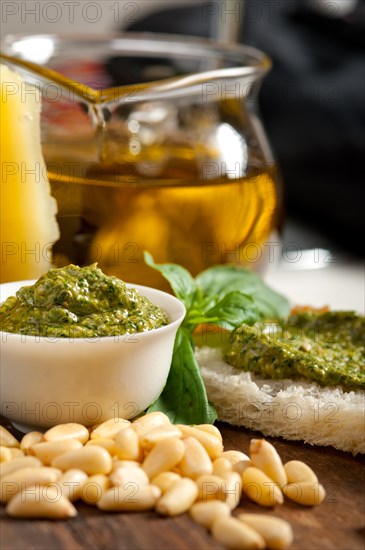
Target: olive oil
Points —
{"points": [[179, 218]]}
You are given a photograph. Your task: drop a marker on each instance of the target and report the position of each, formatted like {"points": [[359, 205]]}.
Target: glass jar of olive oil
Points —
{"points": [[153, 143]]}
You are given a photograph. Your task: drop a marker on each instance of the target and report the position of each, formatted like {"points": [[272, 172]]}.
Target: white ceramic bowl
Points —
{"points": [[46, 381]]}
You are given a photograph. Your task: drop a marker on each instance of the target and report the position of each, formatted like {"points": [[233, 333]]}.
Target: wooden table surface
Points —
{"points": [[339, 523]]}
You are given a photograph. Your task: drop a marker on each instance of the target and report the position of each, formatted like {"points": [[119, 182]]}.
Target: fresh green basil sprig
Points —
{"points": [[225, 296]]}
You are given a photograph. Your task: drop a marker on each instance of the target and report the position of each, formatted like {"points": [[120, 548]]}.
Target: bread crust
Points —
{"points": [[295, 410]]}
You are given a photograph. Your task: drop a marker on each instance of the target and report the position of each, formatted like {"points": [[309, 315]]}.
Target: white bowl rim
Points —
{"points": [[140, 288]]}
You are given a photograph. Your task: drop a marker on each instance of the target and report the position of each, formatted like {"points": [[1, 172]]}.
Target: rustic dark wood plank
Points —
{"points": [[9, 426], [338, 524]]}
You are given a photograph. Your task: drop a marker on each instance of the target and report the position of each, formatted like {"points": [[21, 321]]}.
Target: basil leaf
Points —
{"points": [[182, 283], [233, 309], [184, 399], [229, 311], [216, 280]]}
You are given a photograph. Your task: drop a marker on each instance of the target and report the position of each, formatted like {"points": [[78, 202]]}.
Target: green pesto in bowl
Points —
{"points": [[79, 302]]}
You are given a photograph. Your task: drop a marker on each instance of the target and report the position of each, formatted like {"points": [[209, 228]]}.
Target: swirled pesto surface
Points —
{"points": [[327, 348], [79, 303]]}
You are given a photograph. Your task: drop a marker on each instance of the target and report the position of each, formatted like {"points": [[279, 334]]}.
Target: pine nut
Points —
{"points": [[261, 488], [196, 461], [67, 431], [121, 476], [226, 489], [5, 454], [232, 487], [164, 480], [94, 488], [127, 445], [239, 460], [129, 498], [241, 466], [213, 444], [7, 439], [29, 439], [234, 456], [164, 456], [209, 428], [235, 535], [276, 532], [206, 513], [15, 452], [125, 464], [178, 498], [149, 439], [222, 466], [107, 443], [298, 471], [7, 468], [110, 428], [40, 502], [71, 483], [149, 422], [210, 487], [46, 451], [93, 460], [305, 493], [265, 457], [24, 478], [152, 463]]}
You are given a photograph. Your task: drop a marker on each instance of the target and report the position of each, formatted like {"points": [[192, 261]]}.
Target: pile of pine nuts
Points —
{"points": [[124, 466]]}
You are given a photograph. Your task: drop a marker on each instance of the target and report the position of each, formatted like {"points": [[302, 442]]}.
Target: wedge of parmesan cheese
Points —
{"points": [[28, 225]]}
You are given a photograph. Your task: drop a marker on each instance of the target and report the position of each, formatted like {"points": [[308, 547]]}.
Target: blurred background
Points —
{"points": [[312, 103]]}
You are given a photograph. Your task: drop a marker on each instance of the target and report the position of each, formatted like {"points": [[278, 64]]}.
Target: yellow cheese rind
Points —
{"points": [[28, 226]]}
